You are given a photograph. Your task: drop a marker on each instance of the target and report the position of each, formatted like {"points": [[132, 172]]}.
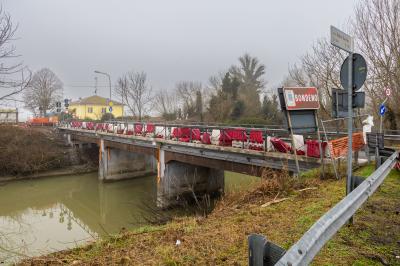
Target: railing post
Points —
{"points": [[265, 140], [243, 138], [263, 252]]}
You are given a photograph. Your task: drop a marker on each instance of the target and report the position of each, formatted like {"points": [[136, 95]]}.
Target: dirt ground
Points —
{"points": [[221, 238]]}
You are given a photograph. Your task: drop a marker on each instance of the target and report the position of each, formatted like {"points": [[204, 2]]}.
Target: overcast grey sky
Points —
{"points": [[171, 40]]}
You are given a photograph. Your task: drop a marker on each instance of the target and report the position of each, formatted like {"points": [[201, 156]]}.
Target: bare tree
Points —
{"points": [[43, 91], [187, 92], [377, 28], [165, 102], [10, 84], [132, 87], [320, 68]]}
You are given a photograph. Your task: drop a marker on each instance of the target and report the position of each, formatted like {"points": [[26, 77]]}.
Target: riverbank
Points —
{"points": [[68, 170], [221, 238]]}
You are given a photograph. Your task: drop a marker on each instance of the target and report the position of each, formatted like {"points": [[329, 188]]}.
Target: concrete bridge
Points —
{"points": [[182, 167]]}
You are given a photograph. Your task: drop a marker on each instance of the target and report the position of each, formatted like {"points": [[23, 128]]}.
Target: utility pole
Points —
{"points": [[95, 85]]}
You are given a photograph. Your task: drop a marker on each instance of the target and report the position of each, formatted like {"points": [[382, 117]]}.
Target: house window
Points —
{"points": [[103, 110], [90, 110]]}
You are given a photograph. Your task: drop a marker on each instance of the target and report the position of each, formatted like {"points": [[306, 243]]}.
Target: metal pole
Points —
{"points": [[331, 155], [320, 145], [350, 125], [380, 126], [109, 82]]}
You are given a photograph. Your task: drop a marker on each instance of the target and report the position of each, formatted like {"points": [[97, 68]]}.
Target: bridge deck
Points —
{"points": [[196, 153]]}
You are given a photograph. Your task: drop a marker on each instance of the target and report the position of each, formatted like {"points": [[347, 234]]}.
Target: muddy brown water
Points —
{"points": [[51, 214]]}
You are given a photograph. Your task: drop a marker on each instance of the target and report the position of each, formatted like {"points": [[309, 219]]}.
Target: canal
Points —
{"points": [[51, 214]]}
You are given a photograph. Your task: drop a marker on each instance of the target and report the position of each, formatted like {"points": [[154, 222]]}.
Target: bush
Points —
{"points": [[27, 151], [107, 116]]}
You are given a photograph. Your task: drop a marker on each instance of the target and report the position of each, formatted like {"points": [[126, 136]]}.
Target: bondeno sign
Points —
{"points": [[301, 98]]}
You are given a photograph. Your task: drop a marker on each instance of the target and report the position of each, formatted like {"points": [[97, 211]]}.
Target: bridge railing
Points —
{"points": [[263, 252], [254, 138]]}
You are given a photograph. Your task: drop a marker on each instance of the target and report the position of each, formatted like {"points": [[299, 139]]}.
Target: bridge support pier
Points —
{"points": [[116, 164], [68, 139], [180, 181]]}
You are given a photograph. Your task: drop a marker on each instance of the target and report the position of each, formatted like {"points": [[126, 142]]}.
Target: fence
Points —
{"points": [[263, 252], [8, 116]]}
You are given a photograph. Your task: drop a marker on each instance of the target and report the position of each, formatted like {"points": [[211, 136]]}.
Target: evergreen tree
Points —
{"points": [[249, 75], [270, 109], [238, 110]]}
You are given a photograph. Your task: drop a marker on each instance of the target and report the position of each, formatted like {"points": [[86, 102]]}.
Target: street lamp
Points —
{"points": [[109, 78]]}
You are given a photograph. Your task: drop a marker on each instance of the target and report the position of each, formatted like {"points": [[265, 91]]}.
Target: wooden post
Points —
{"points": [[293, 144]]}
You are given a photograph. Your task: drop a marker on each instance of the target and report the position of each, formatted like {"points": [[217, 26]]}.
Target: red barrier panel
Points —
{"points": [[225, 139], [150, 128], [206, 138], [110, 128], [99, 126], [130, 130], [256, 136], [228, 135], [90, 125], [181, 132], [313, 148], [138, 128], [280, 145], [196, 135]]}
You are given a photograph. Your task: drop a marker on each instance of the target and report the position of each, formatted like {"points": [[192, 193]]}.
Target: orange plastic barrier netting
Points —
{"points": [[339, 147]]}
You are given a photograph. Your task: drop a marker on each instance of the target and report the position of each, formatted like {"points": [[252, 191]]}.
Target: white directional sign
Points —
{"points": [[341, 39], [388, 92]]}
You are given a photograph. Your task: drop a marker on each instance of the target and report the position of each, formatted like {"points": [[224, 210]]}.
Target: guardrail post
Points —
{"points": [[263, 252]]}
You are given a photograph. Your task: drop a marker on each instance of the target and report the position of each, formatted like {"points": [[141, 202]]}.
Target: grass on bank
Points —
{"points": [[222, 237]]}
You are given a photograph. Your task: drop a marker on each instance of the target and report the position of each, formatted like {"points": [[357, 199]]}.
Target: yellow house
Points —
{"points": [[94, 107]]}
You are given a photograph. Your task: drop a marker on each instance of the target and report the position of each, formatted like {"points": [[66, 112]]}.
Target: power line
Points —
{"points": [[12, 99], [87, 86]]}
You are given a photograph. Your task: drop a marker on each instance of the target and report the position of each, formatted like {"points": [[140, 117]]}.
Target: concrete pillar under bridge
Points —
{"points": [[179, 181], [116, 164]]}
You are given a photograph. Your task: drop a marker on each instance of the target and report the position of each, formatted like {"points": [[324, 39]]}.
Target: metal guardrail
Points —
{"points": [[303, 252], [274, 130]]}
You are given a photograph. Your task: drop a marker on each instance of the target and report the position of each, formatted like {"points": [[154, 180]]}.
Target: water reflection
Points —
{"points": [[41, 216]]}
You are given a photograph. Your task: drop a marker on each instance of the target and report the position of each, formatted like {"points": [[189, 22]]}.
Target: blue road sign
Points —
{"points": [[382, 109], [110, 109]]}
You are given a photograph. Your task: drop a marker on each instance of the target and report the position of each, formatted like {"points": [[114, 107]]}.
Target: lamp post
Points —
{"points": [[109, 78]]}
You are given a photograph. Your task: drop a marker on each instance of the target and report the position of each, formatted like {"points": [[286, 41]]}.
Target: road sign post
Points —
{"points": [[345, 42], [382, 111], [350, 126], [382, 108]]}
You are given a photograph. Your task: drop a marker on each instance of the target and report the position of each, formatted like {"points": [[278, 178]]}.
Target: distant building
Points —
{"points": [[94, 107]]}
